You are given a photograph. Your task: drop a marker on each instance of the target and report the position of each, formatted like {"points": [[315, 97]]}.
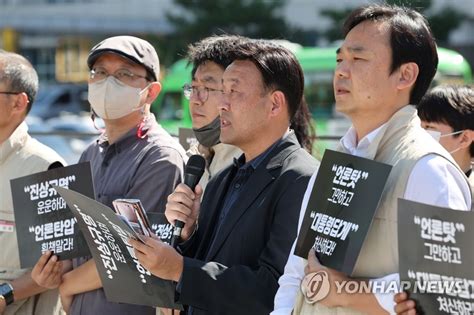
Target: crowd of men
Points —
{"points": [[254, 130]]}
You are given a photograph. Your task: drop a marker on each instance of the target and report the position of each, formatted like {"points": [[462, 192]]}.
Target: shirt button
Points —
{"points": [[237, 186]]}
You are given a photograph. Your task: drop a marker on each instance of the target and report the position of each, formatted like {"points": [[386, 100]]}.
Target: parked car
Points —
{"points": [[56, 100], [68, 135]]}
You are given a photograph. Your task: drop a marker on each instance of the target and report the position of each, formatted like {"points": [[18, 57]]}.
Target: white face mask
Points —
{"points": [[437, 134], [112, 99]]}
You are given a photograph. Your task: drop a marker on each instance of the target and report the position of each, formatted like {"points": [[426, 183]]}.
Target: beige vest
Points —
{"points": [[471, 181], [400, 143], [224, 154], [21, 155]]}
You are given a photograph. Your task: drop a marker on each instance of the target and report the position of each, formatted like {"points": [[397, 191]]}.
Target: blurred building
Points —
{"points": [[56, 35]]}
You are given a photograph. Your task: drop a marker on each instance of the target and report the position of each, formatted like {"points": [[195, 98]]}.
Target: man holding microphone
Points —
{"points": [[236, 241]]}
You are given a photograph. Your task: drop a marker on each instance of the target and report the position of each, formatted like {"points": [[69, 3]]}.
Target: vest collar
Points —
{"points": [[404, 117], [16, 141], [396, 125]]}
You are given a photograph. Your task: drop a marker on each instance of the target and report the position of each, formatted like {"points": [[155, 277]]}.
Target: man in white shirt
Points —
{"points": [[386, 62]]}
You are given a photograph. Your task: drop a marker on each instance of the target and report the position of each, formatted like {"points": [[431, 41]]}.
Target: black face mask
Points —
{"points": [[209, 135]]}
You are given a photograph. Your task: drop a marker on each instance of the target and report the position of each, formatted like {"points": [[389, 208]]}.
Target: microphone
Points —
{"points": [[192, 174]]}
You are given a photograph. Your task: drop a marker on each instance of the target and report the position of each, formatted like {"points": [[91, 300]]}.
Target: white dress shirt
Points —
{"points": [[433, 180]]}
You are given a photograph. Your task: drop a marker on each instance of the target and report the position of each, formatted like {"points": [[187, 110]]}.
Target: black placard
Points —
{"points": [[186, 138], [43, 220], [124, 279], [436, 257], [160, 226], [341, 207]]}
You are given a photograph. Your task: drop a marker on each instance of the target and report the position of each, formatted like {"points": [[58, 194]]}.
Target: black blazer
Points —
{"points": [[239, 274]]}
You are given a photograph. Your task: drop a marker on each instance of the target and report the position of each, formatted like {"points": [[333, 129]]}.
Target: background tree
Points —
{"points": [[201, 18], [442, 21], [337, 17]]}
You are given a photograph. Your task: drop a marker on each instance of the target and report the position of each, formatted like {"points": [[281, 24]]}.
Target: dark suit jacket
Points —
{"points": [[239, 274]]}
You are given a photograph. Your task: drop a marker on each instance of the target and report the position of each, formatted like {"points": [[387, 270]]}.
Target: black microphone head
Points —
{"points": [[196, 165], [192, 175]]}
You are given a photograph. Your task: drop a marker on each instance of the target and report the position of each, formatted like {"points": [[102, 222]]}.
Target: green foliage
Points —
{"points": [[253, 18], [442, 22], [418, 5], [337, 17], [201, 18], [263, 19]]}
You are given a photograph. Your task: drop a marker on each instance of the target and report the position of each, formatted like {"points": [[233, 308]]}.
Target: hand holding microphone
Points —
{"points": [[183, 204]]}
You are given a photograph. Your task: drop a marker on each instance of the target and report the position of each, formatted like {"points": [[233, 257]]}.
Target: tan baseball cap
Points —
{"points": [[136, 49]]}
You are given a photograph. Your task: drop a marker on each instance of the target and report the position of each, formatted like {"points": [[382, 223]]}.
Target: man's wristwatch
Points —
{"points": [[6, 292]]}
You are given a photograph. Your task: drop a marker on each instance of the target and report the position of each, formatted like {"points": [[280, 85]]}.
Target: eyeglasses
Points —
{"points": [[201, 92], [11, 93], [123, 75]]}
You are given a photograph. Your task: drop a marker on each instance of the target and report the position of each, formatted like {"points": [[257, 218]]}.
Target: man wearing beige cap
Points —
{"points": [[134, 158]]}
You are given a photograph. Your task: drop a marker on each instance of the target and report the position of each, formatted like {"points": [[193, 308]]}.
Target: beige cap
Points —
{"points": [[136, 49]]}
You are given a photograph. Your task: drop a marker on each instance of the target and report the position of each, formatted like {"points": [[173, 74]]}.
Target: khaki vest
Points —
{"points": [[471, 181], [400, 143], [21, 155]]}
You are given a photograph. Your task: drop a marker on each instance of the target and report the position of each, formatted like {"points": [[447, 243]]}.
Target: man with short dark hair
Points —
{"points": [[238, 238], [209, 57], [20, 155], [386, 62]]}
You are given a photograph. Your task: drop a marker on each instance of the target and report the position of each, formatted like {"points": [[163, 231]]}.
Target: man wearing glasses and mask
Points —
{"points": [[209, 58], [134, 158], [447, 113]]}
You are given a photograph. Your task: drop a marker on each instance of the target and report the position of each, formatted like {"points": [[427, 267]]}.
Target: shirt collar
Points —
{"points": [[130, 136], [254, 163], [349, 141]]}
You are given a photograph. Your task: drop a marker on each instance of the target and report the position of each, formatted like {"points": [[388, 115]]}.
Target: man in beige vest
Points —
{"points": [[386, 62], [20, 155]]}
